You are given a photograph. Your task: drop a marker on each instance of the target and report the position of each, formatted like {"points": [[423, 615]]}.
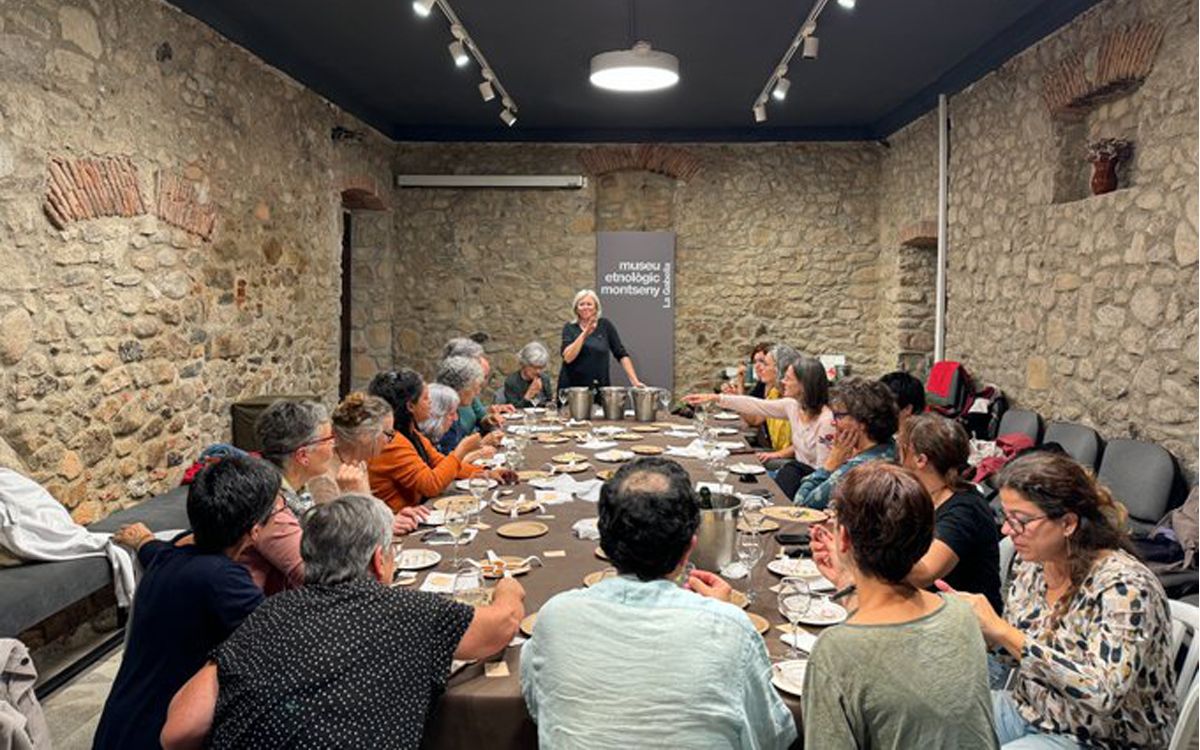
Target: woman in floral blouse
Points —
{"points": [[1086, 621]]}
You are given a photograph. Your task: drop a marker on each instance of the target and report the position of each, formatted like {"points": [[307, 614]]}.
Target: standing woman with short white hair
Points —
{"points": [[586, 345], [529, 385]]}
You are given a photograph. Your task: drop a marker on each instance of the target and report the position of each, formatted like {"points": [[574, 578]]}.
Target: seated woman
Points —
{"points": [[362, 426], [530, 386], [805, 405], [410, 470], [466, 377], [1087, 622], [298, 439], [473, 413], [346, 661], [739, 386], [908, 669], [864, 420], [770, 367], [190, 597], [443, 413], [965, 552]]}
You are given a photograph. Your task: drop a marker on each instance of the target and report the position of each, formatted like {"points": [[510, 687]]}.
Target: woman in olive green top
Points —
{"points": [[909, 667], [529, 385]]}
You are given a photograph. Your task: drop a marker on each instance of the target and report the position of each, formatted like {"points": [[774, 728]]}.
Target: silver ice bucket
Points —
{"points": [[579, 402], [717, 536], [645, 403], [612, 399]]}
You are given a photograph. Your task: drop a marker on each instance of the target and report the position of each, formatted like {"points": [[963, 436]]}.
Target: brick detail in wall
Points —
{"points": [[178, 204], [665, 160], [921, 234], [1119, 62], [78, 189]]}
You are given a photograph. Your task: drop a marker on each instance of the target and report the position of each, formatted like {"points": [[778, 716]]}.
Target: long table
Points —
{"points": [[482, 711]]}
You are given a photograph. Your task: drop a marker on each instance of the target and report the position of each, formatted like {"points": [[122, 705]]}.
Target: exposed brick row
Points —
{"points": [[179, 204], [1122, 60], [78, 189], [665, 160]]}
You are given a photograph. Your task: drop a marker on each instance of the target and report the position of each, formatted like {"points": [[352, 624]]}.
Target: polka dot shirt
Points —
{"points": [[349, 665]]}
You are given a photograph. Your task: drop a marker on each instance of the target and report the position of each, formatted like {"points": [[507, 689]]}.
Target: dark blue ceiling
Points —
{"points": [[881, 65]]}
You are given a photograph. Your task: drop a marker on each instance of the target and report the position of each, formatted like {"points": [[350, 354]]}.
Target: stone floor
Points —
{"points": [[73, 711]]}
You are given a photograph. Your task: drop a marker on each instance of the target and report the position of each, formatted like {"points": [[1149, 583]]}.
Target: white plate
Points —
{"points": [[599, 445], [725, 416], [435, 518], [534, 410], [615, 456], [724, 430], [823, 612], [803, 567], [417, 559], [747, 469], [788, 676], [609, 429], [465, 484]]}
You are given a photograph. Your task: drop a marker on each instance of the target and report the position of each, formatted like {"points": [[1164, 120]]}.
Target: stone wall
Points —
{"points": [[123, 339], [775, 241], [1085, 309]]}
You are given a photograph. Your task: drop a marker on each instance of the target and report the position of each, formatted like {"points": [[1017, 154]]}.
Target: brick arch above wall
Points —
{"points": [[671, 161], [362, 193]]}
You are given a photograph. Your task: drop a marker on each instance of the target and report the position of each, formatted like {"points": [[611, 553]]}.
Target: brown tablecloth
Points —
{"points": [[480, 711]]}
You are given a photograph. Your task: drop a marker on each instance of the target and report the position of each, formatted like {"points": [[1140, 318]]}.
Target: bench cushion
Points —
{"points": [[32, 592]]}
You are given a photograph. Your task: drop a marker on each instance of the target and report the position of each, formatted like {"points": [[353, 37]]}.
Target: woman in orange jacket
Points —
{"points": [[410, 470]]}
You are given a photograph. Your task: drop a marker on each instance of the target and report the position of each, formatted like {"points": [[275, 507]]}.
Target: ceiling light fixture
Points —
{"points": [[640, 68], [462, 49], [459, 53], [805, 42]]}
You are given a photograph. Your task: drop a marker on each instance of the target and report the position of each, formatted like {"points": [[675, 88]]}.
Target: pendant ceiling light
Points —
{"points": [[638, 69]]}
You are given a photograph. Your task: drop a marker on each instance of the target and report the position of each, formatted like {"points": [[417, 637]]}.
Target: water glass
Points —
{"points": [[456, 519], [469, 588], [749, 552], [752, 510], [794, 600]]}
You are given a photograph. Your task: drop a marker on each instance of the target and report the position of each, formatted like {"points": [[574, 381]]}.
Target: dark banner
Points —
{"points": [[635, 278]]}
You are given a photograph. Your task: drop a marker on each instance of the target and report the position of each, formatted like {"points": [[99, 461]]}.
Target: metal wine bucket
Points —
{"points": [[717, 536], [612, 398], [645, 403], [579, 402]]}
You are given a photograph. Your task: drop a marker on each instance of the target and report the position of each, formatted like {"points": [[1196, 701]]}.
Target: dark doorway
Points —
{"points": [[344, 343]]}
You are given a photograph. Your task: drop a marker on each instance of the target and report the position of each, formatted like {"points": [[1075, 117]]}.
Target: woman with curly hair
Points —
{"points": [[1087, 623], [864, 420]]}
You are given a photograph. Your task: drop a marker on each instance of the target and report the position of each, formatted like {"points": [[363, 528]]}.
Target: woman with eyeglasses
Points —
{"points": [[297, 439], [362, 426], [864, 421], [410, 470], [1086, 622]]}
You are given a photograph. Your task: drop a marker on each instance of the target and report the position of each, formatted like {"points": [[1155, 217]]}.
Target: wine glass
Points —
{"points": [[562, 403], [794, 600], [749, 552], [752, 510], [456, 518], [469, 588], [478, 487]]}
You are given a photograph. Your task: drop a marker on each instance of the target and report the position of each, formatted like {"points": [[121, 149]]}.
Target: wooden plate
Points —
{"points": [[504, 507], [664, 425], [614, 456], [738, 599], [764, 525], [605, 474], [551, 439], [528, 623], [599, 551], [627, 436], [591, 579], [570, 457], [760, 623], [646, 450], [574, 434], [528, 474], [645, 428], [523, 530], [464, 501], [572, 468], [794, 514]]}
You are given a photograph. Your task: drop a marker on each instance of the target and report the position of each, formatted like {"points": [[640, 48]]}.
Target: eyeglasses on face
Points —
{"points": [[317, 441], [1018, 523]]}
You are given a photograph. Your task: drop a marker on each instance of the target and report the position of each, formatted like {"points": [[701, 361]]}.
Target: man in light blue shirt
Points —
{"points": [[638, 661]]}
